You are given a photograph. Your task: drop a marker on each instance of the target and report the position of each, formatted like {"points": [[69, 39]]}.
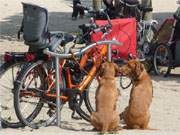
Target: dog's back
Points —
{"points": [[137, 114], [106, 117], [141, 95], [106, 94]]}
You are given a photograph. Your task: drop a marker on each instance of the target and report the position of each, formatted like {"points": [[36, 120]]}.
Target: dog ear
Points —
{"points": [[101, 70], [139, 67]]}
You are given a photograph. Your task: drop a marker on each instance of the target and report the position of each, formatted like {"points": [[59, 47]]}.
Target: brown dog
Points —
{"points": [[137, 114], [106, 118]]}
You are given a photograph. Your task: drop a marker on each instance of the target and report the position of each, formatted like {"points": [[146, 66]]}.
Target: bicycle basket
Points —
{"points": [[34, 26]]}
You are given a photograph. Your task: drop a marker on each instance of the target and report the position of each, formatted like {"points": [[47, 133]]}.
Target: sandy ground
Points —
{"points": [[165, 109]]}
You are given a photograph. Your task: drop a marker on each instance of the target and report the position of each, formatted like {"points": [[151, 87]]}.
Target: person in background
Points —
{"points": [[177, 27], [97, 5], [77, 9], [177, 13], [148, 4], [175, 46], [111, 8]]}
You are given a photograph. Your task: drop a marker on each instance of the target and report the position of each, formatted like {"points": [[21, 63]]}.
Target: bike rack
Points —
{"points": [[0, 117], [109, 54], [58, 101], [1, 62], [68, 55]]}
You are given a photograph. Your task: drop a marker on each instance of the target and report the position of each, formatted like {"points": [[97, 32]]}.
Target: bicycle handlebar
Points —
{"points": [[102, 12], [103, 28], [124, 3], [94, 27], [69, 55], [97, 13]]}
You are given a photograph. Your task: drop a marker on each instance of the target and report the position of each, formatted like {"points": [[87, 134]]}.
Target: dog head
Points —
{"points": [[132, 69], [108, 69]]}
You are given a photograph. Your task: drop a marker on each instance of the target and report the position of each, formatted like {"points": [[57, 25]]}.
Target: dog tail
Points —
{"points": [[148, 128]]}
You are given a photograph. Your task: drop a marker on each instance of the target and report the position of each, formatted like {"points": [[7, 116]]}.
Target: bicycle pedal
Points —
{"points": [[50, 112]]}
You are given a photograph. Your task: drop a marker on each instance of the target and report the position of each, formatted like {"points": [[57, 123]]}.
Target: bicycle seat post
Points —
{"points": [[58, 102]]}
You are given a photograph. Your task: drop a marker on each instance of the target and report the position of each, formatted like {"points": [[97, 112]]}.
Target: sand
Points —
{"points": [[165, 108]]}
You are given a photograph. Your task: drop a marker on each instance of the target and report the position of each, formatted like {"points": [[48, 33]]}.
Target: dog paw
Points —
{"points": [[118, 128]]}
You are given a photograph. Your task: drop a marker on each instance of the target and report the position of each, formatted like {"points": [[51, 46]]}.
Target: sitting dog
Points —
{"points": [[106, 118], [137, 114]]}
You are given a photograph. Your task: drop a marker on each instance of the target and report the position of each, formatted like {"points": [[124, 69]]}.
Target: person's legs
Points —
{"points": [[148, 15], [75, 13], [81, 12], [75, 10], [97, 4]]}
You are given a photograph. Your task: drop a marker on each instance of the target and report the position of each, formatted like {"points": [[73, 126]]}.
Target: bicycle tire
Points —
{"points": [[87, 101], [18, 85], [148, 63], [5, 70], [159, 62]]}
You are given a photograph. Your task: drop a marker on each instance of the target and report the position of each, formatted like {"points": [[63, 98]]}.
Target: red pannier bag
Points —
{"points": [[124, 31]]}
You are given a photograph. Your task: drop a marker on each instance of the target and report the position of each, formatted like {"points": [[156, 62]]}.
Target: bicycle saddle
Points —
{"points": [[131, 2]]}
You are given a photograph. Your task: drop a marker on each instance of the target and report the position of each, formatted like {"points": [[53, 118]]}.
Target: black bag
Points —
{"points": [[177, 30], [35, 26], [177, 52]]}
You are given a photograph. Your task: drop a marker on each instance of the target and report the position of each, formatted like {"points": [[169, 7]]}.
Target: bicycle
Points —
{"points": [[145, 30], [8, 73], [166, 55], [85, 37], [46, 94], [9, 70], [14, 61], [76, 73]]}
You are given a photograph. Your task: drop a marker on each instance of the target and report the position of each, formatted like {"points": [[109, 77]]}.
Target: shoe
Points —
{"points": [[74, 18], [81, 16]]}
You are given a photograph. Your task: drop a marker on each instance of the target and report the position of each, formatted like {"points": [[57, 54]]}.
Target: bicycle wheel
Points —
{"points": [[8, 73], [89, 96], [125, 82], [148, 65], [147, 47], [32, 107], [162, 60]]}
